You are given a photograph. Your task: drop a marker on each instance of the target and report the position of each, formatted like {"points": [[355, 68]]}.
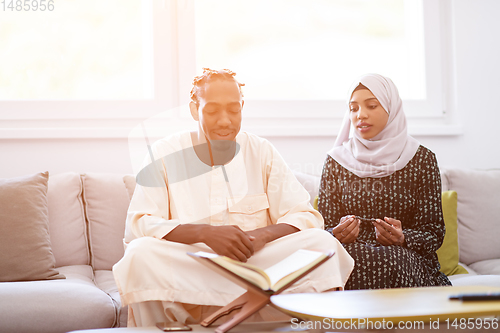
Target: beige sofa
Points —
{"points": [[478, 224], [86, 224]]}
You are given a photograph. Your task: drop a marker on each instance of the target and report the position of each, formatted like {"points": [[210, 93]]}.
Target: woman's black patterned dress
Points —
{"points": [[411, 195]]}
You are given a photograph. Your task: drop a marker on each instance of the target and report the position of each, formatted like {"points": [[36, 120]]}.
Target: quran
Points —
{"points": [[271, 279], [260, 283]]}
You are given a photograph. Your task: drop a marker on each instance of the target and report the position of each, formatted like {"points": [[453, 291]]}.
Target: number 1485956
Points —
{"points": [[27, 5], [472, 323]]}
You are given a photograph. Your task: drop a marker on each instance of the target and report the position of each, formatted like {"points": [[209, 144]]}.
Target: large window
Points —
{"points": [[79, 50], [286, 50], [75, 69], [298, 59], [94, 68]]}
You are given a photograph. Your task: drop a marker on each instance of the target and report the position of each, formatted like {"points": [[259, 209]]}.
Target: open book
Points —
{"points": [[273, 278]]}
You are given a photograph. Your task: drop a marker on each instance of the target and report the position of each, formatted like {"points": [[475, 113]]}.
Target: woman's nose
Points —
{"points": [[362, 114]]}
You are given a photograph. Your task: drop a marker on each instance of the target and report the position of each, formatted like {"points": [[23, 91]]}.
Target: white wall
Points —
{"points": [[476, 30], [20, 157]]}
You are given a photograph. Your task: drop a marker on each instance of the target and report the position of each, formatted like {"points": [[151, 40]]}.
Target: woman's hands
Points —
{"points": [[347, 230], [389, 231]]}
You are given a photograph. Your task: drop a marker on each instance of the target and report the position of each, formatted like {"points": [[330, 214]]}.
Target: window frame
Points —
{"points": [[174, 62]]}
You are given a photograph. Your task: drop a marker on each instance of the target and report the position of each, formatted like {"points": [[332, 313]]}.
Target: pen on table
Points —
{"points": [[476, 297]]}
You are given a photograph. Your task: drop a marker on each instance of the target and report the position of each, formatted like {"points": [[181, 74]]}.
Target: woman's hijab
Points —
{"points": [[387, 152]]}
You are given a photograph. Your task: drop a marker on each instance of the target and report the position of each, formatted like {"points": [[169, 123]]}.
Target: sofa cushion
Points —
{"points": [[25, 249], [55, 306], [478, 213], [448, 252], [106, 202], [468, 269], [491, 266], [82, 273], [105, 280], [67, 226], [460, 280]]}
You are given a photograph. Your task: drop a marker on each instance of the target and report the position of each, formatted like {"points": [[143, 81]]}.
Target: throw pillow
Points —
{"points": [[448, 252], [25, 251]]}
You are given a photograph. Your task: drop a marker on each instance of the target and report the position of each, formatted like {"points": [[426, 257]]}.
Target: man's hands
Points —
{"points": [[347, 230], [389, 231], [262, 236], [258, 238], [226, 240], [229, 240]]}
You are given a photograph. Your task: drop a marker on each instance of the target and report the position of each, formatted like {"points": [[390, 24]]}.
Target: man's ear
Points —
{"points": [[193, 107]]}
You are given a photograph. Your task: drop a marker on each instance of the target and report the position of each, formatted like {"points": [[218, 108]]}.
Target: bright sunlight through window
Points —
{"points": [[313, 50], [80, 50]]}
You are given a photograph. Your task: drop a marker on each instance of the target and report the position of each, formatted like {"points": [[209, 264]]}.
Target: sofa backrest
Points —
{"points": [[87, 218], [87, 214], [310, 183], [106, 202], [478, 209], [67, 225]]}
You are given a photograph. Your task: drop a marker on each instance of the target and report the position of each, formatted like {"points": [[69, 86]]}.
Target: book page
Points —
{"points": [[274, 277], [206, 254], [294, 262], [251, 273]]}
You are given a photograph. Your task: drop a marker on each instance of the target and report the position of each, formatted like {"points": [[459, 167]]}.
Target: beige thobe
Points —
{"points": [[261, 190]]}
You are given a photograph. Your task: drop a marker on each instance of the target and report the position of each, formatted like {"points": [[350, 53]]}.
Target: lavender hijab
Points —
{"points": [[387, 152]]}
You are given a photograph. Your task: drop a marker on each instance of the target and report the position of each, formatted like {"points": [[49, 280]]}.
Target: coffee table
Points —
{"points": [[429, 308], [427, 305]]}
